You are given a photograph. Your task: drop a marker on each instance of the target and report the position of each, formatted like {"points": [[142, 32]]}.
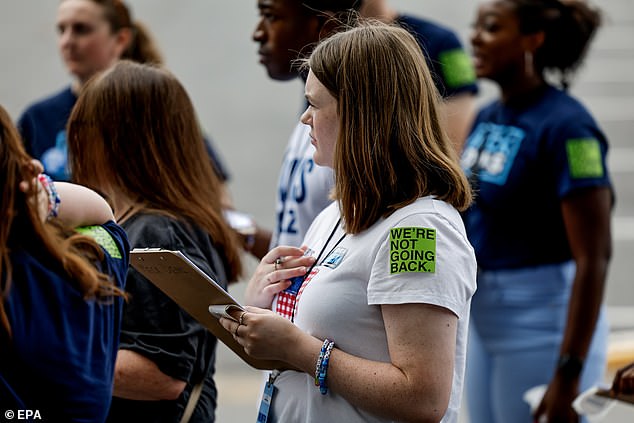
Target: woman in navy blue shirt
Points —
{"points": [[61, 292], [540, 224]]}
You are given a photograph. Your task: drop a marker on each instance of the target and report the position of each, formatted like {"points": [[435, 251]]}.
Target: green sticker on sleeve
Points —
{"points": [[584, 158], [457, 68], [103, 238], [412, 250]]}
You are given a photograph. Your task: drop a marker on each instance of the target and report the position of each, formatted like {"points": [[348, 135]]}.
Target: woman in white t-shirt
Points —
{"points": [[380, 312]]}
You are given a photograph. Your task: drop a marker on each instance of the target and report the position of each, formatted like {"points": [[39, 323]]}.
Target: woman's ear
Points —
{"points": [[532, 42], [123, 40]]}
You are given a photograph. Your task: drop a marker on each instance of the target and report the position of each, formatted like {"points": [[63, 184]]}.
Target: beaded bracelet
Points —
{"points": [[323, 369], [53, 199], [324, 346]]}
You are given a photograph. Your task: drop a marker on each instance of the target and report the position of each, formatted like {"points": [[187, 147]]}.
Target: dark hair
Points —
{"points": [[142, 48], [391, 148], [331, 5], [568, 26], [133, 131], [21, 227]]}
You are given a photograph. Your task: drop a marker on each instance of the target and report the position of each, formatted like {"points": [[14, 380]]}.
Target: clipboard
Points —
{"points": [[196, 292]]}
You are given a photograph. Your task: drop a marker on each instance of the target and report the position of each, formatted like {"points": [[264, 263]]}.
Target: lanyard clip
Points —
{"points": [[273, 375]]}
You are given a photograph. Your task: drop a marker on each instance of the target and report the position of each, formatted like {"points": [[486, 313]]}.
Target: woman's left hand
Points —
{"points": [[556, 406], [31, 170], [262, 333]]}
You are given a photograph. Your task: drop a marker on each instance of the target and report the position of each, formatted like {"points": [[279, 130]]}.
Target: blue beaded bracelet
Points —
{"points": [[324, 346], [323, 369]]}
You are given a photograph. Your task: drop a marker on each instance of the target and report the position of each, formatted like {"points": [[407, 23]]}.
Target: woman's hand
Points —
{"points": [[31, 171], [274, 272], [556, 406], [262, 333], [623, 383]]}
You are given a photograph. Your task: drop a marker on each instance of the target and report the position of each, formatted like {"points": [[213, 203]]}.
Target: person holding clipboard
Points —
{"points": [[147, 156], [377, 329]]}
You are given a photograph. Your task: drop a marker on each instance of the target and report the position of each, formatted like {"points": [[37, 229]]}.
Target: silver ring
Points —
{"points": [[278, 262], [240, 321]]}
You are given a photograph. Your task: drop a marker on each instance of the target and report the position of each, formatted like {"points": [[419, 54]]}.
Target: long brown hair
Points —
{"points": [[391, 147], [133, 131], [22, 228]]}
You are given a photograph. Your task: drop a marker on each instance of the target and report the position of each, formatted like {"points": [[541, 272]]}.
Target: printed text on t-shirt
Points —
{"points": [[412, 249]]}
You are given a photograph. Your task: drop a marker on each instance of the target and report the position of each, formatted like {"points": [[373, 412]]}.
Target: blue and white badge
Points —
{"points": [[267, 397], [335, 257]]}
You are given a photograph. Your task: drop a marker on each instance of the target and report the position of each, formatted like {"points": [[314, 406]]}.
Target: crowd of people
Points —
{"points": [[404, 265]]}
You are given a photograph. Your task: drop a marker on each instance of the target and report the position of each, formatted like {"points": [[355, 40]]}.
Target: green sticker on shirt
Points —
{"points": [[412, 250], [457, 68], [103, 238], [584, 158]]}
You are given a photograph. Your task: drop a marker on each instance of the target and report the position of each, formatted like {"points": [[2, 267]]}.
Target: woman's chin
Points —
{"points": [[320, 162]]}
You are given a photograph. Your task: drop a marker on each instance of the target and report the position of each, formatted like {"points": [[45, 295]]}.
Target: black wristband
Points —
{"points": [[570, 366]]}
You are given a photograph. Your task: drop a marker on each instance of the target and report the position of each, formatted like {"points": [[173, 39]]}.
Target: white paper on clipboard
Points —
{"points": [[196, 292]]}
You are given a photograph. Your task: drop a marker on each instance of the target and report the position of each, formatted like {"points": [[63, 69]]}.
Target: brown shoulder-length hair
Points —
{"points": [[391, 147], [133, 131], [21, 228]]}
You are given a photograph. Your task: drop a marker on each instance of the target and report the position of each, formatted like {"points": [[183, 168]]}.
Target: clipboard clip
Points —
{"points": [[222, 310]]}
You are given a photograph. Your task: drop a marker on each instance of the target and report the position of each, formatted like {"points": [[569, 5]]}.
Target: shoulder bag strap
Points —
{"points": [[192, 401]]}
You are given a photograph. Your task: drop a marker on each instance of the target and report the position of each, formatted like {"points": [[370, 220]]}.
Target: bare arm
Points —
{"points": [[261, 243], [587, 219], [414, 386], [458, 113], [138, 378], [81, 206]]}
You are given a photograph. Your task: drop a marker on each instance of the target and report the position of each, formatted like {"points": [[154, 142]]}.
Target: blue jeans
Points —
{"points": [[517, 323]]}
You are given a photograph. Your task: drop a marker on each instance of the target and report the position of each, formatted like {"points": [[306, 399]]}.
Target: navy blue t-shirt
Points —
{"points": [[43, 128], [523, 160], [60, 359], [448, 63]]}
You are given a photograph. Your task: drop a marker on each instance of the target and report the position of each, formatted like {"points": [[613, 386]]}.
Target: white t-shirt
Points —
{"points": [[303, 190], [419, 254]]}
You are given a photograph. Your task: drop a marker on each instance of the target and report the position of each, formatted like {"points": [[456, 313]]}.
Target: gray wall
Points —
{"points": [[207, 44]]}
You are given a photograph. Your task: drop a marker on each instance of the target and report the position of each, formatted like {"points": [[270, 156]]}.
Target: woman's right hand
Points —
{"points": [[274, 273], [623, 383]]}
